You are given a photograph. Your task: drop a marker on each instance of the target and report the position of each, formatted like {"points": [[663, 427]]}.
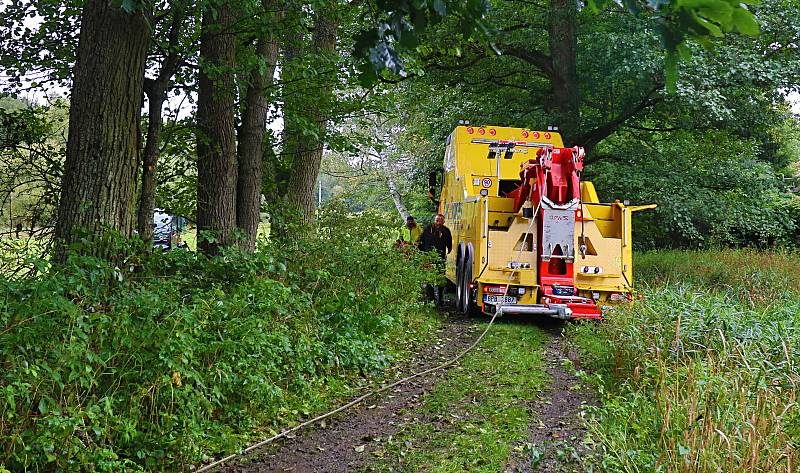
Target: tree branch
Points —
{"points": [[591, 138], [538, 60], [457, 67], [645, 128]]}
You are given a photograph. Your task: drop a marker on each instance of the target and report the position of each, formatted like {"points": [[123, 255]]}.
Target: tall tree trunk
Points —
{"points": [[147, 196], [156, 91], [216, 143], [564, 58], [306, 148], [105, 108], [251, 139], [277, 167]]}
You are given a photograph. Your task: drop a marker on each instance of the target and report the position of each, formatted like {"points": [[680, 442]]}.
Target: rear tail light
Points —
{"points": [[547, 136], [481, 131], [492, 131], [535, 135], [470, 130], [525, 134]]}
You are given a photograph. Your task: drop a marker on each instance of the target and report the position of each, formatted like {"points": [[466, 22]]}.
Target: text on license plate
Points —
{"points": [[487, 299]]}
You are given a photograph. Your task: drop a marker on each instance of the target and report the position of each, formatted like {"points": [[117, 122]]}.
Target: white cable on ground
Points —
{"points": [[351, 403]]}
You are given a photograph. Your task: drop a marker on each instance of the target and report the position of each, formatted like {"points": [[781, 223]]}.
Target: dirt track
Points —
{"points": [[345, 442], [333, 448]]}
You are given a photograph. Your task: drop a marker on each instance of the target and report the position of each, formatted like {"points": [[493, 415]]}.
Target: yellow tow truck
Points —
{"points": [[529, 237]]}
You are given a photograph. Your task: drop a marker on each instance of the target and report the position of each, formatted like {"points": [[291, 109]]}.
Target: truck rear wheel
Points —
{"points": [[468, 306], [459, 302]]}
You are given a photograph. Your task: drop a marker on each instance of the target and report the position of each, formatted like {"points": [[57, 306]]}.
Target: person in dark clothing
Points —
{"points": [[437, 237]]}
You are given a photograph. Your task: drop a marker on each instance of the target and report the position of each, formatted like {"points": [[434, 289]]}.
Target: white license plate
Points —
{"points": [[487, 299]]}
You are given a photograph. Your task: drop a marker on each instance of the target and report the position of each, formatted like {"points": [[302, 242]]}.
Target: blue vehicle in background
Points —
{"points": [[167, 230]]}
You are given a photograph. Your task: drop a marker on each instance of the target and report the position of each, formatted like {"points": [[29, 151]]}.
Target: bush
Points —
{"points": [[178, 357]]}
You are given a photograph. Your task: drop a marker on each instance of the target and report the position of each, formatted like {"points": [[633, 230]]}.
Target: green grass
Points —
{"points": [[700, 376], [753, 277], [479, 412]]}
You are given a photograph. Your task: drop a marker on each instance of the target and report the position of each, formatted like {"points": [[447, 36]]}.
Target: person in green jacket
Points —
{"points": [[409, 233]]}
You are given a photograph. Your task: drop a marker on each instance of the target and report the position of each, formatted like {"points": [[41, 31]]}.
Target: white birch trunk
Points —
{"points": [[396, 197]]}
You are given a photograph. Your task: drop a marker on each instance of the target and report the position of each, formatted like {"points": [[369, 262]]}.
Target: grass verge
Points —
{"points": [[701, 375]]}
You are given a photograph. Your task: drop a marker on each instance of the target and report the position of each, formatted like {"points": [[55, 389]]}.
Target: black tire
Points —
{"points": [[459, 300], [468, 306]]}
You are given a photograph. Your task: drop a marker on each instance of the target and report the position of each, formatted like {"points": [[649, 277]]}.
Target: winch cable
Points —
{"points": [[583, 247], [527, 232], [521, 247], [360, 399], [351, 403]]}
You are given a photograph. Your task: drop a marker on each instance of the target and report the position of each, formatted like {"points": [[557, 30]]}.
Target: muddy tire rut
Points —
{"points": [[556, 436]]}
